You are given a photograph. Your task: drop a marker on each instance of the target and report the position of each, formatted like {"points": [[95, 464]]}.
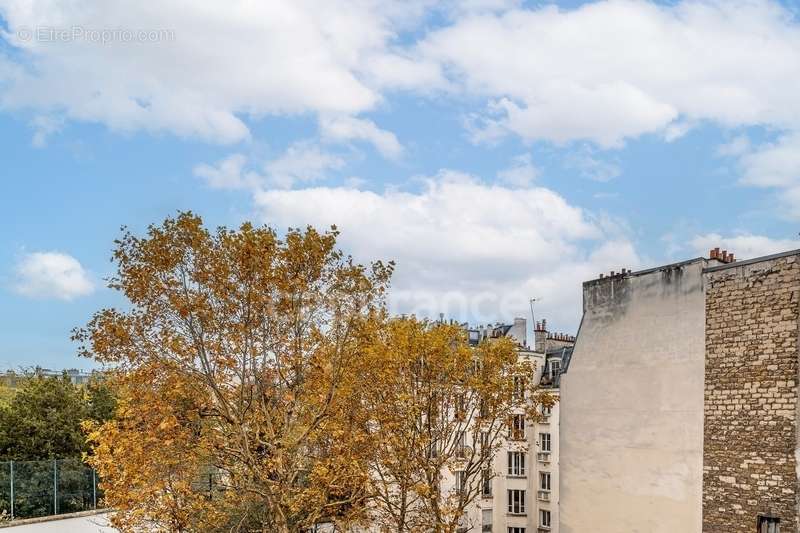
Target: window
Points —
{"points": [[516, 501], [519, 388], [486, 483], [461, 481], [477, 366], [461, 406], [544, 480], [555, 367], [461, 445], [516, 464], [433, 450], [769, 524], [434, 408], [517, 429], [516, 530], [547, 410], [544, 518], [486, 518], [544, 441]]}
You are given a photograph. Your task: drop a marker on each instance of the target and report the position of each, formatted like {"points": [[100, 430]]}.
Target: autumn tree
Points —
{"points": [[440, 411], [237, 354]]}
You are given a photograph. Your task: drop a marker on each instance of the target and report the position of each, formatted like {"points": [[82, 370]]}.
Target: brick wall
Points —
{"points": [[750, 409]]}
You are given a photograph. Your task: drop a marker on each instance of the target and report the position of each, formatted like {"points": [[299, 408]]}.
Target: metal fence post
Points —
{"points": [[55, 486], [12, 489]]}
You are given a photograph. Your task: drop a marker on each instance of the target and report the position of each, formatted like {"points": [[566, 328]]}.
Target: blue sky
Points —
{"points": [[496, 150]]}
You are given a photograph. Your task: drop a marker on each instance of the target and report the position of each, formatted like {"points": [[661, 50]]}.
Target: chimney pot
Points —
{"points": [[731, 259]]}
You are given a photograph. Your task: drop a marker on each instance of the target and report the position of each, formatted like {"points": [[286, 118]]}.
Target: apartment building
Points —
{"points": [[679, 412], [14, 379], [522, 494]]}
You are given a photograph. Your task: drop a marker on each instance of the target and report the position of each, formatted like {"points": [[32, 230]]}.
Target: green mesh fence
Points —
{"points": [[30, 489]]}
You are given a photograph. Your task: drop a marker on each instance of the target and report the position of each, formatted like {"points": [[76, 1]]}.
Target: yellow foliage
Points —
{"points": [[262, 388], [237, 357]]}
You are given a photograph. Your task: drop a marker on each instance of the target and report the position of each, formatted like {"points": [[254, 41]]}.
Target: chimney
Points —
{"points": [[721, 256], [519, 331], [540, 337]]}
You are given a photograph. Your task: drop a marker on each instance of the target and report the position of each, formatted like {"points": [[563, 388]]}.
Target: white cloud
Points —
{"points": [[218, 64], [227, 173], [743, 246], [52, 275], [616, 69], [737, 146], [606, 71], [771, 165], [344, 128], [302, 162], [591, 166], [676, 130], [44, 126], [521, 173], [464, 247]]}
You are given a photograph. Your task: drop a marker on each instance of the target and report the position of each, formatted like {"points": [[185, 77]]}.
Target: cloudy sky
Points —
{"points": [[497, 150]]}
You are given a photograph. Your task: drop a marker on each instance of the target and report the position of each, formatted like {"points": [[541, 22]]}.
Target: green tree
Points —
{"points": [[101, 403], [40, 430], [43, 421]]}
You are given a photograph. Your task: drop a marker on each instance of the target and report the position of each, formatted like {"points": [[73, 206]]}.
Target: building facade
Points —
{"points": [[12, 379], [522, 494], [679, 409]]}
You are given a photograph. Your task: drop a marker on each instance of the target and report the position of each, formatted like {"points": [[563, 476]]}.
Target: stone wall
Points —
{"points": [[750, 405]]}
